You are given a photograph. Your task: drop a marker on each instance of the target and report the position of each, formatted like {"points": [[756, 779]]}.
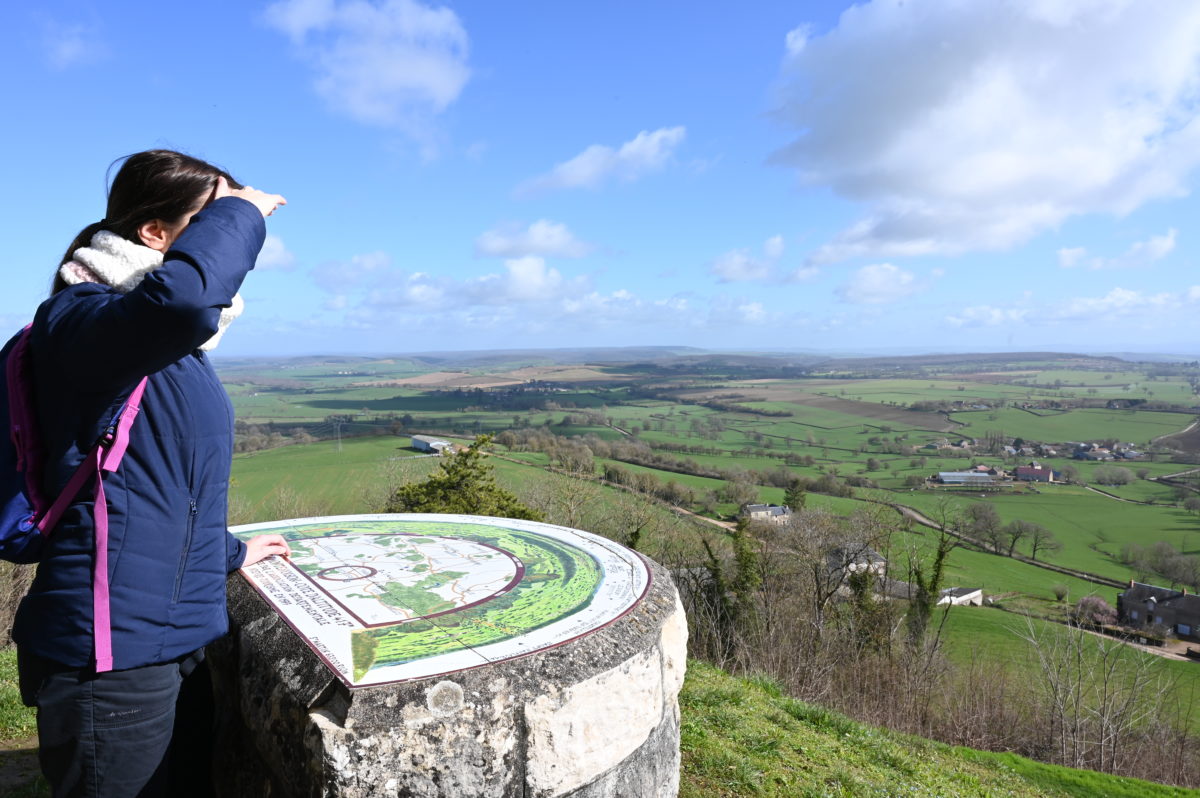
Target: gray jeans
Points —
{"points": [[106, 735]]}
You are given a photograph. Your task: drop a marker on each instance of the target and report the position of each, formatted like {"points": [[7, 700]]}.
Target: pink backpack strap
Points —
{"points": [[116, 445], [101, 614], [112, 446], [104, 456]]}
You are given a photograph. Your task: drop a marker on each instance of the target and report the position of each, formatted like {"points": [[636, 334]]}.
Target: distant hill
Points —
{"points": [[970, 359], [619, 354], [679, 358], [483, 358]]}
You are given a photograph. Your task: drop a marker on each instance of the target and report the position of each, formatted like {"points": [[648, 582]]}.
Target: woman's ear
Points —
{"points": [[155, 235]]}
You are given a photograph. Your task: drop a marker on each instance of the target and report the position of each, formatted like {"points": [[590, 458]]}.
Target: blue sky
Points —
{"points": [[929, 175]]}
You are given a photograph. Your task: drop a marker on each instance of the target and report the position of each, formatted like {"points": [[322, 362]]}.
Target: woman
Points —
{"points": [[141, 293]]}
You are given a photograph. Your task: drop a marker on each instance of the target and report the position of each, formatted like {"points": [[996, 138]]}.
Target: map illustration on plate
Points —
{"points": [[385, 598]]}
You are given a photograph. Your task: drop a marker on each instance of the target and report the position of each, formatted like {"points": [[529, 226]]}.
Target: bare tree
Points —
{"points": [[1015, 532], [1096, 692], [1112, 475], [562, 499], [739, 492], [1042, 540], [983, 523]]}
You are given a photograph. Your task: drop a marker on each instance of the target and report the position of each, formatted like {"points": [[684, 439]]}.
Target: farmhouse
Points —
{"points": [[427, 443], [857, 560], [771, 513], [1088, 451], [1142, 605], [1034, 472]]}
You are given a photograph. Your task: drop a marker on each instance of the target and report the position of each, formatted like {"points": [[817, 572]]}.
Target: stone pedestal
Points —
{"points": [[596, 717]]}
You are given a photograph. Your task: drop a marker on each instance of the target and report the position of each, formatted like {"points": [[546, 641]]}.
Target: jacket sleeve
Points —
{"points": [[116, 339], [235, 553]]}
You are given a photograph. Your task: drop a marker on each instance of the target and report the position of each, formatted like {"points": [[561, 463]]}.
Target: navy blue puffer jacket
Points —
{"points": [[169, 548]]}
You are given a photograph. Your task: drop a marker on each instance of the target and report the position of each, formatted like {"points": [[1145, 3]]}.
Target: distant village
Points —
{"points": [[1033, 470]]}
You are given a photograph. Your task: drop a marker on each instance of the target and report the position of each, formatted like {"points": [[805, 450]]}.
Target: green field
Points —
{"points": [[761, 427], [1135, 426]]}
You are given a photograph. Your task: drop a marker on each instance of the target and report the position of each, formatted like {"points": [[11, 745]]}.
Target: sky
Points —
{"points": [[888, 176]]}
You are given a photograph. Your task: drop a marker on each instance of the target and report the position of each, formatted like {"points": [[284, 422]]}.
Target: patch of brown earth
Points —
{"points": [[458, 379], [866, 410], [1188, 440]]}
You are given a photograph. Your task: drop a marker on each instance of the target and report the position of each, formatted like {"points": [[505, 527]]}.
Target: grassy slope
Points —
{"points": [[743, 738]]}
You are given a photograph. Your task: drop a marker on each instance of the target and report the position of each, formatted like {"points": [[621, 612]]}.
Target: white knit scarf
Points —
{"points": [[121, 265]]}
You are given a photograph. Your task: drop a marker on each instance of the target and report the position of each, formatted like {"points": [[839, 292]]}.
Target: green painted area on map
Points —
{"points": [[559, 580]]}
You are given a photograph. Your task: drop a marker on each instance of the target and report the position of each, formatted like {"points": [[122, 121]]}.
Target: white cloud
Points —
{"points": [[275, 256], [1069, 257], [878, 284], [796, 39], [394, 63], [543, 237], [752, 312], [1153, 248], [340, 277], [529, 280], [1140, 253], [645, 153], [369, 294], [67, 46], [988, 316], [624, 308], [1118, 303], [966, 126], [739, 265], [372, 281]]}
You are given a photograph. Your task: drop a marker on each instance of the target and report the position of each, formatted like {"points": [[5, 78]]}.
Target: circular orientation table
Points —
{"points": [[385, 598], [446, 655]]}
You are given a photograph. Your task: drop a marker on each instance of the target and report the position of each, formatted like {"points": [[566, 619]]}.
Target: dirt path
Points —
{"points": [[1111, 496], [1166, 652], [1176, 474], [726, 525]]}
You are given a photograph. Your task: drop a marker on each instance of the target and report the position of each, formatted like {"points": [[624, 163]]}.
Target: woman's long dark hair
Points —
{"points": [[155, 184]]}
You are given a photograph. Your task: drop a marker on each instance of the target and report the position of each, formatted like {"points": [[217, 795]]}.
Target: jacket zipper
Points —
{"points": [[187, 547]]}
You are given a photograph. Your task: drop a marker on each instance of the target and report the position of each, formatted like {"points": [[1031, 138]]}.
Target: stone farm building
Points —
{"points": [[771, 513], [428, 443], [856, 559], [1142, 605]]}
